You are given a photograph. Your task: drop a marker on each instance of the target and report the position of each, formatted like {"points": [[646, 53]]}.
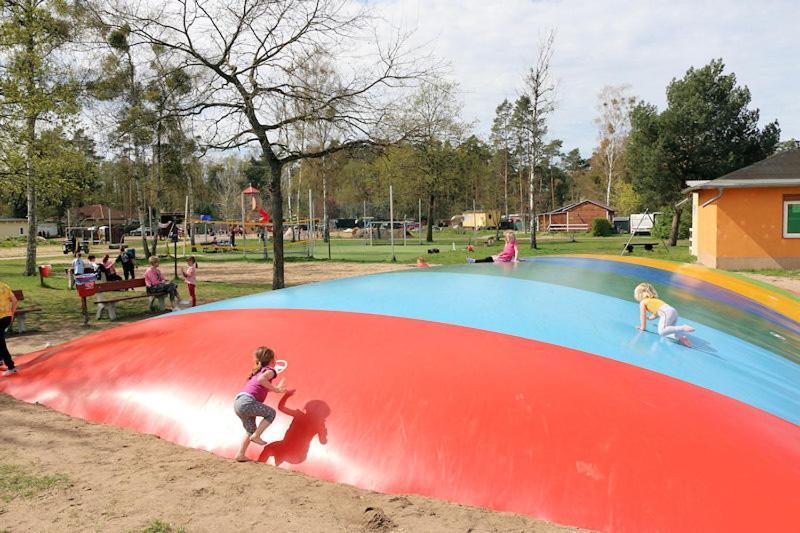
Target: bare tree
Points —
{"points": [[614, 108], [253, 54], [540, 89]]}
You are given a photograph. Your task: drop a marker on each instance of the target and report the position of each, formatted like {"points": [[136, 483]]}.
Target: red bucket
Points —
{"points": [[85, 283]]}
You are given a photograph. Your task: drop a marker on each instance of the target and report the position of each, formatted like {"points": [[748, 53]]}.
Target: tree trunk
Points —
{"points": [[325, 230], [140, 204], [30, 178], [276, 197], [431, 211], [505, 184], [676, 224], [157, 199], [532, 207]]}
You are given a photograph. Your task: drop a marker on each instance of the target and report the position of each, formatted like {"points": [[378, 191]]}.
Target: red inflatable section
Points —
{"points": [[405, 406]]}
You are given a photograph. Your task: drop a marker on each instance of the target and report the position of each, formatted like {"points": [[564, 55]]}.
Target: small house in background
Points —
{"points": [[481, 219], [13, 227], [749, 218], [102, 222], [576, 216]]}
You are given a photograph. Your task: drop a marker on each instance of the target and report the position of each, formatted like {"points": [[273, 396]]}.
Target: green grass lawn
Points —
{"points": [[357, 250], [60, 304]]}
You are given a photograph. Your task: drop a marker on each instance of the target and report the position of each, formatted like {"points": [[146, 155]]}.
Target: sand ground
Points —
{"points": [[119, 480]]}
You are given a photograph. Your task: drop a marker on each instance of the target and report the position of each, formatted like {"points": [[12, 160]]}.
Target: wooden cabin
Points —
{"points": [[574, 217]]}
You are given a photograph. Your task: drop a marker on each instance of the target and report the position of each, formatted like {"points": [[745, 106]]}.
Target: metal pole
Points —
{"points": [[633, 233], [185, 225], [391, 222], [244, 231], [365, 219], [474, 222], [310, 228], [419, 229], [404, 231]]}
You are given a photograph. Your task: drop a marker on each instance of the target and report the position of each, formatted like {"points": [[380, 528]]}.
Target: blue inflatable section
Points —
{"points": [[564, 316]]}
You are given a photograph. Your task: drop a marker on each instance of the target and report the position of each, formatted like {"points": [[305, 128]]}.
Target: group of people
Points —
{"points": [[155, 282], [107, 266]]}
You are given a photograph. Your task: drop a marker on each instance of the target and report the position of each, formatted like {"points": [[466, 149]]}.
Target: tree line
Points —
{"points": [[140, 106]]}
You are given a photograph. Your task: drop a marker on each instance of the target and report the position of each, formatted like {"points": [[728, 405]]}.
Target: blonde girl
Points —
{"points": [[651, 307], [510, 253], [249, 403]]}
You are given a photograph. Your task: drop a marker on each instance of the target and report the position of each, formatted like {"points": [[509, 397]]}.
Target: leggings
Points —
{"points": [[489, 259], [248, 408], [169, 287], [668, 317], [191, 293], [4, 353]]}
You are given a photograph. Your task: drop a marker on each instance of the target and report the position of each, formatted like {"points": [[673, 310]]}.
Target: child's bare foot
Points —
{"points": [[258, 440], [683, 339], [242, 459], [688, 329]]}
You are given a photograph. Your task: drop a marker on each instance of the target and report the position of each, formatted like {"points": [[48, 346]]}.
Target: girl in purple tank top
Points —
{"points": [[249, 403]]}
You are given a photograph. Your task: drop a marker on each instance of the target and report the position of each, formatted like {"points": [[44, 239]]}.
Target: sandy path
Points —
{"points": [[294, 274], [119, 480], [790, 284]]}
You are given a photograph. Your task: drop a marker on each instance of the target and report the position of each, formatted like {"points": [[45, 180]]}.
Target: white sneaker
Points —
{"points": [[10, 372]]}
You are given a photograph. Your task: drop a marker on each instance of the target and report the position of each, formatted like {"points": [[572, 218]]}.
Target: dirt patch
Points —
{"points": [[118, 480], [790, 284], [294, 273]]}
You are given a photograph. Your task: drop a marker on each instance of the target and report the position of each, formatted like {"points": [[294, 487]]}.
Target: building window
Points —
{"points": [[22, 231], [791, 219]]}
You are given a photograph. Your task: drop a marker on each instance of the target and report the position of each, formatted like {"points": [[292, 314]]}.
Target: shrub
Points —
{"points": [[601, 227], [663, 223]]}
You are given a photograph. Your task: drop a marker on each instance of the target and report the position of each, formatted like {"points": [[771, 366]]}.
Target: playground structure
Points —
{"points": [[536, 394]]}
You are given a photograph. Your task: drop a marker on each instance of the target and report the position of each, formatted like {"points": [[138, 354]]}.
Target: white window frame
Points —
{"points": [[786, 234]]}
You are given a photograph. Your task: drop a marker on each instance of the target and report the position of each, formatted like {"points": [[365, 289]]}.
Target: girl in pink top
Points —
{"points": [[509, 254], [189, 273], [249, 403]]}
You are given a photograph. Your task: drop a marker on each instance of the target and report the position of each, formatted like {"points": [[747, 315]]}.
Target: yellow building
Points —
{"points": [[750, 218], [13, 227], [483, 219]]}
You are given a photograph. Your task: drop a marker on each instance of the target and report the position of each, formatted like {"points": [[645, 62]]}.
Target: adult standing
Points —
{"points": [[128, 263], [8, 306], [74, 242], [78, 265]]}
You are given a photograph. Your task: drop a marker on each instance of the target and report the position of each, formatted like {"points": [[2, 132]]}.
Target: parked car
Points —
{"points": [[138, 232]]}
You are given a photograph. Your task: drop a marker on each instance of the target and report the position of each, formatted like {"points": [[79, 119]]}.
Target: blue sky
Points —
{"points": [[490, 45]]}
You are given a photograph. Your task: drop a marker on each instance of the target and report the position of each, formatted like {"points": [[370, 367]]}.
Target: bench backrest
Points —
{"points": [[18, 294], [119, 285]]}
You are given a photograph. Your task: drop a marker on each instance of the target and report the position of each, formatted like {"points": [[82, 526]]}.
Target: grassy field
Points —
{"points": [[352, 250], [61, 305]]}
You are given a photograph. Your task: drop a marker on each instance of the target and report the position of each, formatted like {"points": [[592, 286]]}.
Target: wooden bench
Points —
{"points": [[109, 304], [22, 312]]}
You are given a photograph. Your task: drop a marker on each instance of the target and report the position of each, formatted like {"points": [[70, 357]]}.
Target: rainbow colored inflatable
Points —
{"points": [[518, 387]]}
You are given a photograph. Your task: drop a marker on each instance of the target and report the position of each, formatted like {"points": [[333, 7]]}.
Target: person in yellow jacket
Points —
{"points": [[651, 307], [8, 306]]}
